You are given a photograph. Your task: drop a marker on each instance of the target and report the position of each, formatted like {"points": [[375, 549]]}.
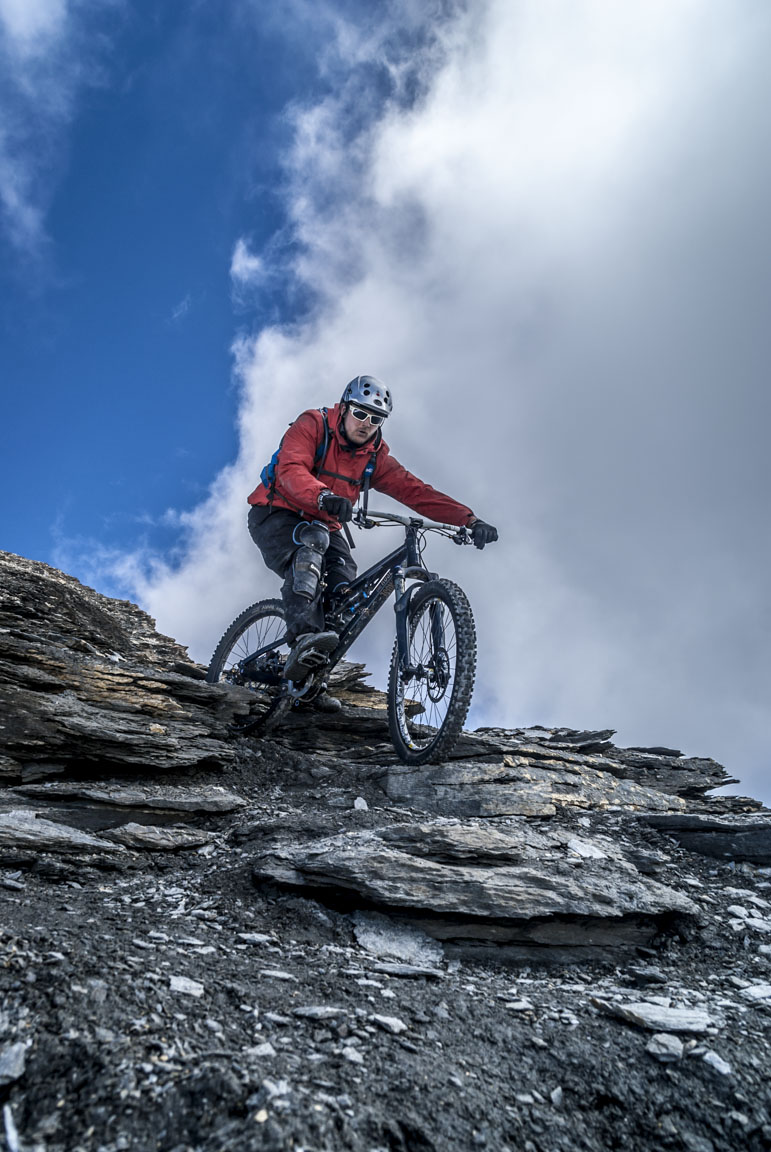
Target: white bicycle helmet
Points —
{"points": [[369, 393]]}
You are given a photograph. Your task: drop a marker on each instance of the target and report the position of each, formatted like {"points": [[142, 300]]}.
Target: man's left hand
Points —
{"points": [[482, 533]]}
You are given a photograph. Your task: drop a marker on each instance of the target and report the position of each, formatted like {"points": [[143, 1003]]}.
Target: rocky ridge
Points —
{"points": [[547, 942]]}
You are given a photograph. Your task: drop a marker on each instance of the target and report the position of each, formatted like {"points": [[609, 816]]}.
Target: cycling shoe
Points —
{"points": [[326, 703], [309, 652]]}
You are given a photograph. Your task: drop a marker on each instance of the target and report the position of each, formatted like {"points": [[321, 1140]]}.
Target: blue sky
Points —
{"points": [[544, 223], [118, 317]]}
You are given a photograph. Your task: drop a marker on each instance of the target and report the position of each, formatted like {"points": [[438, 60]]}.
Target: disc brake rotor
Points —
{"points": [[439, 675]]}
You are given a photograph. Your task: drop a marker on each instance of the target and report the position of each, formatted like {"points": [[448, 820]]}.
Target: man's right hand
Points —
{"points": [[338, 506]]}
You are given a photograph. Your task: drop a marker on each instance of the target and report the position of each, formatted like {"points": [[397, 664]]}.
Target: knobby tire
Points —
{"points": [[265, 619], [431, 735]]}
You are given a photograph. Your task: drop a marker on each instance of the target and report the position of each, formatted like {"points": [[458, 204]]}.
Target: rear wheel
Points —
{"points": [[252, 653], [429, 700]]}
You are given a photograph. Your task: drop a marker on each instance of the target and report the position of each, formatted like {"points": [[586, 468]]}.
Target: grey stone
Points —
{"points": [[319, 1012], [520, 1005], [665, 1047], [156, 839], [21, 828], [11, 1131], [758, 992], [186, 986], [586, 849], [390, 1024], [12, 1061], [647, 974], [658, 1017], [409, 971], [277, 1018], [717, 1062]]}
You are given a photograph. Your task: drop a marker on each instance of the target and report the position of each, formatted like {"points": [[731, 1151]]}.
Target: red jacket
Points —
{"points": [[298, 489]]}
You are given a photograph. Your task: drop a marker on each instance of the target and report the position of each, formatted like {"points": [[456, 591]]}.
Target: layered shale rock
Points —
{"points": [[509, 845], [217, 943], [87, 682], [468, 881], [739, 837]]}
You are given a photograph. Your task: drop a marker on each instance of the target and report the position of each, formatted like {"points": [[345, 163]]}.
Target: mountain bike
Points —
{"points": [[433, 663]]}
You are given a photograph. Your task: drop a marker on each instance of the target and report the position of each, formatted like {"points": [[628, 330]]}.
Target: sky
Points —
{"points": [[544, 224]]}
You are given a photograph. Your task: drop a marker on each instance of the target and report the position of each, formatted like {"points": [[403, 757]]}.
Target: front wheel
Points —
{"points": [[252, 653], [429, 699]]}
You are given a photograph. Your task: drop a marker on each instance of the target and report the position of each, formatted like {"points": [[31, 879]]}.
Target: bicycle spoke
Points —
{"points": [[428, 704], [259, 630]]}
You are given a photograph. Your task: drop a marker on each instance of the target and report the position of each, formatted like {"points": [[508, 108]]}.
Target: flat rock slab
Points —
{"points": [[658, 1017], [21, 828], [467, 871], [153, 838], [319, 1012], [746, 838], [408, 971], [665, 1047], [163, 797], [519, 786]]}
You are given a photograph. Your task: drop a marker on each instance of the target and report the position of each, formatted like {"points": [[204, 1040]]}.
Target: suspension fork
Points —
{"points": [[403, 596]]}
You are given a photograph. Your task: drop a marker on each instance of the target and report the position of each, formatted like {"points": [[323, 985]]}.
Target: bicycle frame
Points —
{"points": [[367, 594]]}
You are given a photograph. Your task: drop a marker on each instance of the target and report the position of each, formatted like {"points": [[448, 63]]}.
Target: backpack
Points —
{"points": [[268, 474]]}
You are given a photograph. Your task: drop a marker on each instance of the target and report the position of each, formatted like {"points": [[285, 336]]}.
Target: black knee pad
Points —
{"points": [[306, 566]]}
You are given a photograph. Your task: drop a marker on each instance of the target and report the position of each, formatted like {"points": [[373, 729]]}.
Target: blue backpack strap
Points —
{"points": [[268, 474], [369, 472]]}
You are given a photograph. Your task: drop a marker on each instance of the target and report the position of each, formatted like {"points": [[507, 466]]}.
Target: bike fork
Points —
{"points": [[401, 608], [401, 604]]}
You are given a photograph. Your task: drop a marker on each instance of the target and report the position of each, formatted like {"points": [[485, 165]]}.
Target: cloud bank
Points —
{"points": [[544, 224]]}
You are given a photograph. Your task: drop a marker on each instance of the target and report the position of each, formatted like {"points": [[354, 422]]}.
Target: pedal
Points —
{"points": [[310, 652], [313, 660]]}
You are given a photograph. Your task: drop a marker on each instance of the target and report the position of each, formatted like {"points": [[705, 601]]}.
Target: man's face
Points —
{"points": [[358, 431]]}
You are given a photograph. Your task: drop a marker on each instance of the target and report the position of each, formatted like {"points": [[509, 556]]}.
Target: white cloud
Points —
{"points": [[31, 24], [246, 268], [557, 257], [180, 310], [47, 55]]}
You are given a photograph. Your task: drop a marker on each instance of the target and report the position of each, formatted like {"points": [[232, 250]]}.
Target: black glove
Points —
{"points": [[482, 533], [338, 506]]}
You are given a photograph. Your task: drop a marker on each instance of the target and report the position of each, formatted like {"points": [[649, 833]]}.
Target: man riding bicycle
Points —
{"points": [[297, 514]]}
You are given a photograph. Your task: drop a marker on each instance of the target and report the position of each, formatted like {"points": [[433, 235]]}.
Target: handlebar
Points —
{"points": [[371, 520]]}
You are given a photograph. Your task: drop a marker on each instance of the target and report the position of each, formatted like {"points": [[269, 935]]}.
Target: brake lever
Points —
{"points": [[461, 537]]}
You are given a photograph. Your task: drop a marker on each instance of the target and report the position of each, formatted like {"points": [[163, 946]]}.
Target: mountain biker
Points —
{"points": [[297, 520]]}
